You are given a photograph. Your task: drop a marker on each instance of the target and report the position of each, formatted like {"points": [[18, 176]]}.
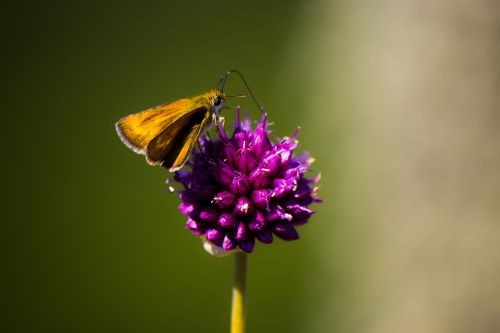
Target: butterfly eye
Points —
{"points": [[217, 101]]}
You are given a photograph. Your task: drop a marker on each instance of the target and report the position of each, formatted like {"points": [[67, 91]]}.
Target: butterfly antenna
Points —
{"points": [[222, 83]]}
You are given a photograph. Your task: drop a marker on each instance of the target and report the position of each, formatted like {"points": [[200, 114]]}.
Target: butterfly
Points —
{"points": [[166, 134]]}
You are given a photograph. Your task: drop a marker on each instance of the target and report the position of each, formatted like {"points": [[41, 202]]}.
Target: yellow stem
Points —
{"points": [[238, 309]]}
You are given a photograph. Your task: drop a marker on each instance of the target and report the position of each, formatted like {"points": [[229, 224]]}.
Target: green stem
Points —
{"points": [[238, 308]]}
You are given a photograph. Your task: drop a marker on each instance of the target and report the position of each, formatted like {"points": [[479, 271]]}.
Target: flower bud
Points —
{"points": [[209, 214], [272, 163], [260, 142], [277, 213], [239, 139], [184, 178], [195, 227], [225, 175], [260, 177], [214, 234], [241, 232], [299, 212], [243, 206], [228, 243], [261, 197], [247, 244], [265, 236], [230, 154], [224, 199], [283, 187], [246, 160], [285, 231], [258, 222], [186, 208], [227, 220], [240, 184]]}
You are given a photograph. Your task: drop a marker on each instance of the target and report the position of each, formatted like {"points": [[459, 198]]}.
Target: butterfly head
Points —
{"points": [[216, 99]]}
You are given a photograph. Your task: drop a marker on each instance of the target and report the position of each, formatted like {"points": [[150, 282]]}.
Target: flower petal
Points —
{"points": [[214, 234], [196, 227], [258, 222], [227, 220], [247, 245], [246, 160], [265, 236], [241, 232], [229, 243], [209, 214], [224, 199], [240, 184], [225, 175], [261, 198], [243, 206], [260, 142], [260, 177], [285, 231], [278, 213]]}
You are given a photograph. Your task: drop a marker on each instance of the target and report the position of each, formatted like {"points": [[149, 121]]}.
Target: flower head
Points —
{"points": [[245, 187]]}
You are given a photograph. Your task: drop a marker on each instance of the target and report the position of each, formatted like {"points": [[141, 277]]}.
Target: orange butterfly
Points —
{"points": [[166, 134]]}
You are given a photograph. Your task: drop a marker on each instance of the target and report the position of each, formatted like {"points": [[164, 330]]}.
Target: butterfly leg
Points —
{"points": [[217, 117], [222, 121]]}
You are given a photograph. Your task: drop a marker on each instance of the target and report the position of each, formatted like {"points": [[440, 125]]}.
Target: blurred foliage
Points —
{"points": [[93, 240]]}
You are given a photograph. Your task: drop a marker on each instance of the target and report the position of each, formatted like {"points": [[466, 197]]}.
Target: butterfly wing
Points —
{"points": [[138, 130], [173, 145]]}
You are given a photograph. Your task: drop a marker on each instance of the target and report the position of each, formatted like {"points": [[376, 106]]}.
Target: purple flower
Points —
{"points": [[246, 187]]}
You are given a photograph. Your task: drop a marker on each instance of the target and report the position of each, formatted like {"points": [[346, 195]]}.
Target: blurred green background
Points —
{"points": [[95, 242], [397, 100]]}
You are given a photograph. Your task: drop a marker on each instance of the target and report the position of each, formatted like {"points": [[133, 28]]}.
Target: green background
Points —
{"points": [[93, 241]]}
